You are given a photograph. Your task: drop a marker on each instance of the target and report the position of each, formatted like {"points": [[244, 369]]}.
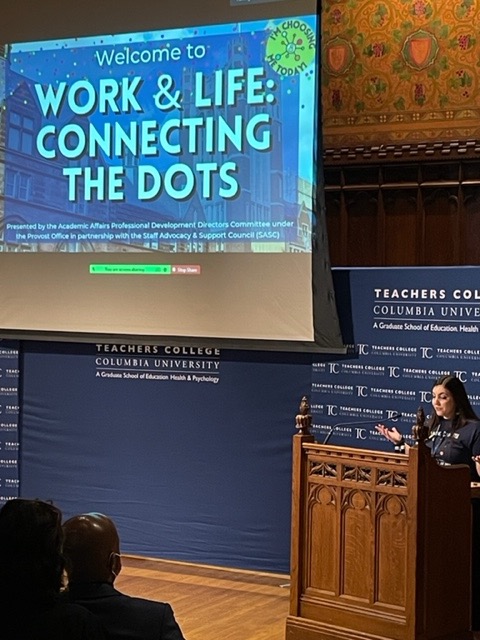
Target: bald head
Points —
{"points": [[91, 548]]}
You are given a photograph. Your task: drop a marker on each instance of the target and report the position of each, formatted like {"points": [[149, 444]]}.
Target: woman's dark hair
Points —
{"points": [[463, 407], [31, 561]]}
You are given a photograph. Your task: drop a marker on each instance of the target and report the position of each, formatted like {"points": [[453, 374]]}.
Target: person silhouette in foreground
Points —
{"points": [[92, 553], [31, 572]]}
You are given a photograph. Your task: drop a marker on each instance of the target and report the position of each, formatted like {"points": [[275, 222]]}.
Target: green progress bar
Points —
{"points": [[132, 269]]}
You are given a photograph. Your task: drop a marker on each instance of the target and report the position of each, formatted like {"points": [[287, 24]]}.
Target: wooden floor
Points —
{"points": [[212, 603]]}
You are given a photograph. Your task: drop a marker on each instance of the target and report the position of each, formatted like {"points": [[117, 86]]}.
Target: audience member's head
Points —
{"points": [[92, 555], [91, 548], [31, 561]]}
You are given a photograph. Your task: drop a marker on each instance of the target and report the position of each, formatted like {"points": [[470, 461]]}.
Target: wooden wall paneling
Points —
{"points": [[333, 209], [381, 227], [470, 172], [336, 215], [445, 174], [362, 244], [471, 207], [461, 219], [421, 228], [441, 226], [402, 231], [440, 173], [404, 214]]}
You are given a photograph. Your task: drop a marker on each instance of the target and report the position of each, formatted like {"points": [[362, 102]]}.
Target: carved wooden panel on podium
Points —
{"points": [[375, 553]]}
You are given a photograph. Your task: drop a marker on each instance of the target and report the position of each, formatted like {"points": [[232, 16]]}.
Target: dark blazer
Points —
{"points": [[57, 621], [125, 616]]}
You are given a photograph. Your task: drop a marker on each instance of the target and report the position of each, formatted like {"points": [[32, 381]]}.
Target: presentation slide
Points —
{"points": [[163, 182]]}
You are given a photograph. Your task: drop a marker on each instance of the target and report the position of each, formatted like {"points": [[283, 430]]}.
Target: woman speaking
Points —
{"points": [[454, 428], [453, 438]]}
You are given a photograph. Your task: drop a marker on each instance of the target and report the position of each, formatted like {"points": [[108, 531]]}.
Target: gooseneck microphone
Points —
{"points": [[395, 416]]}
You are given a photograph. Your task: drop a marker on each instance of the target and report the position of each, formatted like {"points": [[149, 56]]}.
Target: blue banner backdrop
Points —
{"points": [[404, 328], [9, 409], [189, 450]]}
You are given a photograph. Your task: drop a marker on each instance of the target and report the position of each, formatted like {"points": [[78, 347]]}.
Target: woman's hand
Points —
{"points": [[390, 434], [476, 459]]}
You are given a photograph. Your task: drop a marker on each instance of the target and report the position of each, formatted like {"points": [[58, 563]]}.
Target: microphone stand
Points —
{"points": [[356, 423]]}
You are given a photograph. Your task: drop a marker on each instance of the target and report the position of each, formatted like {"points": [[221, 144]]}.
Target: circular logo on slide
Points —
{"points": [[291, 47]]}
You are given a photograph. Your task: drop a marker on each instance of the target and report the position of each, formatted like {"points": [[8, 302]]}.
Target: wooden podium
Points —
{"points": [[380, 546]]}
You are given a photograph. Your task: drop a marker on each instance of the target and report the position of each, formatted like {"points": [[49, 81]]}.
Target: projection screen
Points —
{"points": [[160, 174]]}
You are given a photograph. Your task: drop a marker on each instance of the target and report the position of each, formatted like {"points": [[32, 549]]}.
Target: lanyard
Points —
{"points": [[438, 440]]}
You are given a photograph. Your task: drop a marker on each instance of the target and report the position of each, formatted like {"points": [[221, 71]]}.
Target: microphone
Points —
{"points": [[395, 416]]}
